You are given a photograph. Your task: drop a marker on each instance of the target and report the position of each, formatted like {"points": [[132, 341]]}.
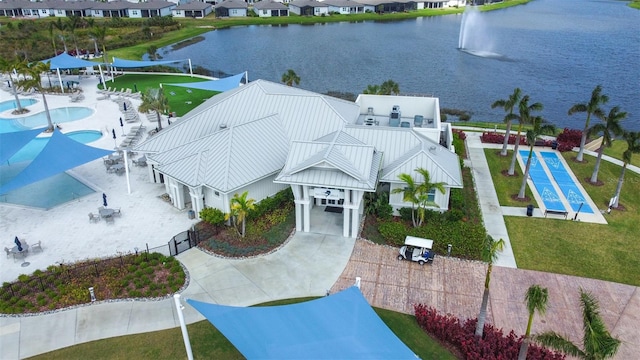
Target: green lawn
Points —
{"points": [[616, 150], [208, 343], [606, 252], [506, 186], [181, 100]]}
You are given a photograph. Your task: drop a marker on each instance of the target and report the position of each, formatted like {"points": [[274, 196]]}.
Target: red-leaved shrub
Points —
{"points": [[460, 133], [568, 139], [497, 138], [493, 346]]}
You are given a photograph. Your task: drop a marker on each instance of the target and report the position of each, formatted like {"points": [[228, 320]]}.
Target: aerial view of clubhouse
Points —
{"points": [[264, 137]]}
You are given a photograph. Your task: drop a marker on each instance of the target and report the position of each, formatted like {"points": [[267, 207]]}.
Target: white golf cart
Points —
{"points": [[417, 249]]}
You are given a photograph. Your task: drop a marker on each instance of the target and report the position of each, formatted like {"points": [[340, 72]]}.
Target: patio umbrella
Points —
{"points": [[18, 243], [125, 106], [104, 200], [113, 131], [122, 126]]}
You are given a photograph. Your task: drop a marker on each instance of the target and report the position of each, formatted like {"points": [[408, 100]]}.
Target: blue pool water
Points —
{"points": [[568, 187], [35, 146], [11, 104], [58, 116], [542, 183]]}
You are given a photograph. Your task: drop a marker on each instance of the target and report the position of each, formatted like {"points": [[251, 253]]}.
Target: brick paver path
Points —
{"points": [[455, 286]]}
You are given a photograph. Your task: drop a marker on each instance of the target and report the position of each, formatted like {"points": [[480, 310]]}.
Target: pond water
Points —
{"points": [[556, 51]]}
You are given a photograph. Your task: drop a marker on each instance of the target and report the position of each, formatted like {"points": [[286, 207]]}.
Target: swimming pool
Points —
{"points": [[568, 187], [35, 146], [542, 183], [11, 104], [58, 116]]}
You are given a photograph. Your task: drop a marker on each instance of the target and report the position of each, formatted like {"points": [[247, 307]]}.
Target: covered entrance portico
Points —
{"points": [[333, 175]]}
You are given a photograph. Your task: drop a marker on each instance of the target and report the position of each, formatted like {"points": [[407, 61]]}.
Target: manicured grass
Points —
{"points": [[606, 252], [506, 186], [208, 343], [616, 150], [181, 100]]}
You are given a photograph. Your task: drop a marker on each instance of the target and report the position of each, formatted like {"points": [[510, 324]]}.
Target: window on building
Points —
{"points": [[431, 197], [216, 193]]}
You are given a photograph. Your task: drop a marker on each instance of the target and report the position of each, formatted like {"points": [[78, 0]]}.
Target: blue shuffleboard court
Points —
{"points": [[542, 183], [565, 182]]}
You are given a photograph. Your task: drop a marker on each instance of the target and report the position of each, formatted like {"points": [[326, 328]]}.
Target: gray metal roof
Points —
{"points": [[342, 3], [269, 5], [194, 5], [303, 3], [305, 115], [232, 4], [229, 158], [152, 5]]}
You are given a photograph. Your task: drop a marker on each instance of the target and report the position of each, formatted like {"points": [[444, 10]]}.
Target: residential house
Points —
{"points": [[231, 8], [194, 9], [269, 8], [309, 8]]}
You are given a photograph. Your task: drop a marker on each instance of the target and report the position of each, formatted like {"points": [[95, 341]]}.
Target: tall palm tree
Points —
{"points": [[609, 129], [154, 100], [490, 250], [100, 34], [61, 26], [597, 342], [532, 135], [508, 105], [591, 108], [240, 207], [73, 22], [52, 35], [7, 67], [290, 78], [424, 189], [524, 117], [633, 147], [389, 87], [409, 194], [34, 81], [536, 299]]}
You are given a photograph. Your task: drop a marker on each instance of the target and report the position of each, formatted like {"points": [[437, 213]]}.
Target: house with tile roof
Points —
{"points": [[264, 137]]}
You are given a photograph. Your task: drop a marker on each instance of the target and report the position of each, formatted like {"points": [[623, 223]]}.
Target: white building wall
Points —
{"points": [[261, 189], [134, 14], [395, 200]]}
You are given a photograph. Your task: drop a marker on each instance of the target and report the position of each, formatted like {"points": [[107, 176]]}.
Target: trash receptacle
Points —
{"points": [[554, 145], [529, 210], [192, 214]]}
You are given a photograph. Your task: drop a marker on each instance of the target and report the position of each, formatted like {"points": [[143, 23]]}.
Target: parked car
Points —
{"points": [[417, 249]]}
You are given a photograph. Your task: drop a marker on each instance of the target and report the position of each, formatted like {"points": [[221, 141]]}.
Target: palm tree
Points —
{"points": [[372, 89], [100, 34], [508, 105], [58, 24], [153, 99], [633, 147], [152, 52], [597, 342], [7, 66], [34, 81], [73, 22], [53, 38], [389, 87], [536, 299], [290, 78], [591, 108], [524, 117], [240, 207], [609, 129], [532, 135], [424, 189], [409, 194], [490, 249]]}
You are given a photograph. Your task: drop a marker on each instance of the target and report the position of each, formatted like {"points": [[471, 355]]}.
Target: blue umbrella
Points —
{"points": [[104, 200], [18, 243]]}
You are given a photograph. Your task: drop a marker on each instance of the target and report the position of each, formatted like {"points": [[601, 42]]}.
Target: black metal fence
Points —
{"points": [[183, 242]]}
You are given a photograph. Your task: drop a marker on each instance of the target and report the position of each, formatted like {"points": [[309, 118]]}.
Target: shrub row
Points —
{"points": [[568, 139], [497, 138], [493, 345]]}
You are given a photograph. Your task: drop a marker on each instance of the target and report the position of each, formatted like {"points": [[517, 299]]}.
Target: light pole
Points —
{"points": [[183, 326]]}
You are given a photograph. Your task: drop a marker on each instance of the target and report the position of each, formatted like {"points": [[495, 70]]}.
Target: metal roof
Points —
{"points": [[230, 158], [269, 5], [442, 164], [232, 4]]}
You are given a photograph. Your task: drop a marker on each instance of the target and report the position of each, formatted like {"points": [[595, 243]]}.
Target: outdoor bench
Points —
{"points": [[556, 212]]}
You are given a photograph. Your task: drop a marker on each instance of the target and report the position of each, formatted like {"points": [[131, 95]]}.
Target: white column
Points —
{"points": [[306, 209], [196, 200], [346, 213], [151, 171], [356, 197], [183, 326], [60, 79]]}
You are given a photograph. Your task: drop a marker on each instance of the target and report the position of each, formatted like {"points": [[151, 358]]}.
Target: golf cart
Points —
{"points": [[416, 249]]}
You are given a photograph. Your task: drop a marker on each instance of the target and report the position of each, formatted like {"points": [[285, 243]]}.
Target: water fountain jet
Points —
{"points": [[474, 38]]}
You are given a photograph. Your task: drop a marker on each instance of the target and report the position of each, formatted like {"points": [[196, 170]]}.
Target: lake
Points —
{"points": [[556, 51]]}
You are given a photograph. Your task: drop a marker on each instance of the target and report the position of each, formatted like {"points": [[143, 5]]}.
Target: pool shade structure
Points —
{"points": [[65, 61], [11, 143], [220, 85], [339, 326], [59, 155], [127, 64]]}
